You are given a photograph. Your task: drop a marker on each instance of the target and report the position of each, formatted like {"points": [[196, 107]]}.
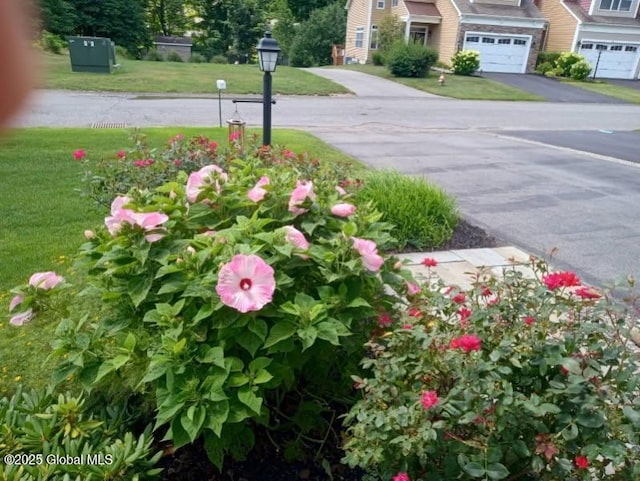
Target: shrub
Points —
{"points": [[377, 58], [390, 31], [566, 60], [422, 214], [554, 72], [465, 62], [513, 378], [154, 56], [51, 437], [549, 57], [220, 59], [197, 58], [52, 43], [174, 56], [580, 70], [209, 350], [410, 60], [544, 67], [122, 52]]}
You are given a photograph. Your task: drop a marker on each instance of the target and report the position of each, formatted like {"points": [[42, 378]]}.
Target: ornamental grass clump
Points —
{"points": [[214, 295], [520, 379]]}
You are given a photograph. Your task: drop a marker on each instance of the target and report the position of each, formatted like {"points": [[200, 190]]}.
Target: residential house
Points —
{"points": [[507, 33], [180, 45], [606, 32]]}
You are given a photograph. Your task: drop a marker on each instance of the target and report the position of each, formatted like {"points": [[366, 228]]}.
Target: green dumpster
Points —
{"points": [[92, 54]]}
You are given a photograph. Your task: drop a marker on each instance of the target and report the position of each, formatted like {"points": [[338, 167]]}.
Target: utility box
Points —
{"points": [[92, 54]]}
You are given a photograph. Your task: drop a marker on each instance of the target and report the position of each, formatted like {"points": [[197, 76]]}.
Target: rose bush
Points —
{"points": [[519, 378], [216, 293]]}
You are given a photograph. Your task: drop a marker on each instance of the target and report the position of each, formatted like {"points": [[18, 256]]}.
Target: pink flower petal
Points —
{"points": [[368, 250], [22, 318], [343, 210], [302, 192], [16, 301], [247, 283], [45, 280], [295, 237]]}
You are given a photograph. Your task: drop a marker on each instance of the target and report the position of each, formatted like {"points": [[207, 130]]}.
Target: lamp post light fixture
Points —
{"points": [[268, 51]]}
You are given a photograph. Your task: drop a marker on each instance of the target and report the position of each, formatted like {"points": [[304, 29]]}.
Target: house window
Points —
{"points": [[504, 41], [519, 41], [359, 37], [630, 48], [473, 39], [488, 40], [616, 48], [616, 5], [381, 4], [394, 3], [373, 44]]}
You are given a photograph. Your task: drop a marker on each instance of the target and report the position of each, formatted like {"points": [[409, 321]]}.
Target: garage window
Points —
{"points": [[488, 40], [616, 48], [601, 47], [504, 41], [473, 39], [519, 41], [630, 48], [587, 46]]}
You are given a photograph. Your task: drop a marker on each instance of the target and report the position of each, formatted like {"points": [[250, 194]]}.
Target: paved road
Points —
{"points": [[551, 89], [532, 194]]}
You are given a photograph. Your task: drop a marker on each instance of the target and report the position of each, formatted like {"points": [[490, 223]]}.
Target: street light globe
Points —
{"points": [[268, 51]]}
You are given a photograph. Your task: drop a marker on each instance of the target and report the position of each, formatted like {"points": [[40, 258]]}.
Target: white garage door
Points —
{"points": [[499, 53], [616, 60]]}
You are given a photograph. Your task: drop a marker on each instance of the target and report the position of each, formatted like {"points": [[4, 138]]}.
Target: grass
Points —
{"points": [[176, 77], [602, 87], [456, 86], [43, 219]]}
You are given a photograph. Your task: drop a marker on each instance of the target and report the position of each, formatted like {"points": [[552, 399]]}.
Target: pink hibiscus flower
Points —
{"points": [[45, 280], [302, 192], [203, 178], [412, 289], [369, 251], [22, 318], [257, 193], [296, 238], [247, 283], [15, 302], [343, 210]]}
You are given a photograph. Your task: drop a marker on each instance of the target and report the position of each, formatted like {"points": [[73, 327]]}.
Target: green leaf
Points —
{"points": [[475, 470], [138, 288], [358, 302], [215, 449], [130, 342], [212, 355], [570, 433], [249, 399], [178, 347], [259, 328], [497, 471], [238, 379], [520, 448], [179, 435], [217, 414], [192, 420], [280, 332], [250, 342], [350, 229], [262, 376], [155, 370], [632, 415], [204, 312], [307, 336], [590, 420]]}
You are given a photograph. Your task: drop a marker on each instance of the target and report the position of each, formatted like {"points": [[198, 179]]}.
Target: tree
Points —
{"points": [[302, 9], [284, 29], [390, 30], [58, 16], [167, 17], [315, 37], [123, 21]]}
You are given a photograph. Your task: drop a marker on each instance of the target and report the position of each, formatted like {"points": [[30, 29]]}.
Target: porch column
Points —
{"points": [[407, 30]]}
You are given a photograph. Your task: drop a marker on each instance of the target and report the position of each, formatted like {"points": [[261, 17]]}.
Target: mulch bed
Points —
{"points": [[266, 463]]}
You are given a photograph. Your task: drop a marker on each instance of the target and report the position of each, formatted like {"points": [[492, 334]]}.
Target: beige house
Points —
{"points": [[606, 32], [507, 33]]}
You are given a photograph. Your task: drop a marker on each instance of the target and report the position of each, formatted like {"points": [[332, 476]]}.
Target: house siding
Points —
{"points": [[358, 16], [400, 10], [585, 4], [535, 33], [444, 37], [561, 28]]}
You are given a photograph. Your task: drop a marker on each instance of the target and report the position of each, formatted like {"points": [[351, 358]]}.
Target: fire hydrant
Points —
{"points": [[441, 79]]}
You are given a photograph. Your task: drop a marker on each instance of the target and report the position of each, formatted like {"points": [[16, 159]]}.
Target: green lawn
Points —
{"points": [[176, 77], [43, 219], [604, 88], [456, 86]]}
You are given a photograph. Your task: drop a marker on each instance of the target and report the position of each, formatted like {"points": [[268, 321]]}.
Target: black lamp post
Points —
{"points": [[268, 51]]}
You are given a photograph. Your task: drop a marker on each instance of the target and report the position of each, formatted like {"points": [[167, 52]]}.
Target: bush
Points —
{"points": [[122, 52], [219, 59], [422, 214], [197, 58], [42, 433], [519, 378], [212, 352], [410, 60], [580, 70], [566, 60], [554, 72], [466, 62], [174, 56], [154, 56], [544, 67], [377, 58], [52, 43], [549, 57]]}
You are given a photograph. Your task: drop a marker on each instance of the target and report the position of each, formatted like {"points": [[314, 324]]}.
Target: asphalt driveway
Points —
{"points": [[551, 89]]}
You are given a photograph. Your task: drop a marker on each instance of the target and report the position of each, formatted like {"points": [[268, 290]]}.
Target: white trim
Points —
{"points": [[423, 19], [502, 21], [367, 31], [511, 35], [456, 7], [384, 4], [611, 29]]}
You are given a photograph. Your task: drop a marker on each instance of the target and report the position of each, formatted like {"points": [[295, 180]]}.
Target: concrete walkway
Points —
{"points": [[365, 85]]}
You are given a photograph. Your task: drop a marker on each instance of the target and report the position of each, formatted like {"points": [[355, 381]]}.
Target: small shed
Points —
{"points": [[180, 45]]}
